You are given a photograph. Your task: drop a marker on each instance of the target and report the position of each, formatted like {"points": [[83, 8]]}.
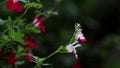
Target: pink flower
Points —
{"points": [[11, 59], [80, 36], [14, 5], [38, 22]]}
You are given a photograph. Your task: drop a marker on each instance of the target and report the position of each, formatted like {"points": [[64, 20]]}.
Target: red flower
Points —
{"points": [[1, 54], [28, 57], [30, 42], [30, 45], [76, 66], [11, 59], [38, 22], [14, 5]]}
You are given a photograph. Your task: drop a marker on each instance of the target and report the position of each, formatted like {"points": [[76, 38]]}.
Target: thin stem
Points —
{"points": [[51, 54], [5, 31], [37, 66], [24, 12], [71, 40], [57, 51]]}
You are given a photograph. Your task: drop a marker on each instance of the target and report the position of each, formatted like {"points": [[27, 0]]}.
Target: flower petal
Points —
{"points": [[19, 8], [11, 5]]}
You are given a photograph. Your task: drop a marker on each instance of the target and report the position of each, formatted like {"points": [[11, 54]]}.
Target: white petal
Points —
{"points": [[35, 21], [74, 43], [15, 1], [70, 48], [37, 24], [77, 45], [80, 35]]}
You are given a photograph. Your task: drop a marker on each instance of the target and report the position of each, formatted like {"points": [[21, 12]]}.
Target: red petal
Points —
{"points": [[29, 58], [27, 51], [11, 5], [76, 66], [31, 38], [42, 27], [82, 40], [26, 39], [11, 58], [1, 54], [19, 8], [14, 6], [41, 19], [32, 45]]}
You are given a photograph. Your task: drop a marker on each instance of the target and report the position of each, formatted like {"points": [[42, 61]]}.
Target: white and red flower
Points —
{"points": [[80, 36], [14, 5], [38, 22], [72, 48]]}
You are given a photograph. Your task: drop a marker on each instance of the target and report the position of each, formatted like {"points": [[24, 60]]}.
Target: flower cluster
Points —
{"points": [[20, 43], [79, 37], [16, 43], [29, 44]]}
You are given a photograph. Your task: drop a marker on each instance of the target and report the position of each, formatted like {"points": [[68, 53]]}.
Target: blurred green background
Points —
{"points": [[100, 20]]}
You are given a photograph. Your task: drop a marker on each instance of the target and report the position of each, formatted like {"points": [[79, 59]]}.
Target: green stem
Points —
{"points": [[51, 54], [37, 66], [24, 12], [71, 40], [5, 31], [57, 51]]}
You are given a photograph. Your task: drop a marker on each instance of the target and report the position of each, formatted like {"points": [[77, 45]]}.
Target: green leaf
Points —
{"points": [[34, 5], [46, 64], [19, 62], [6, 38], [31, 28], [37, 59], [1, 46], [16, 36], [62, 49], [24, 1], [9, 18], [19, 20], [20, 49]]}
